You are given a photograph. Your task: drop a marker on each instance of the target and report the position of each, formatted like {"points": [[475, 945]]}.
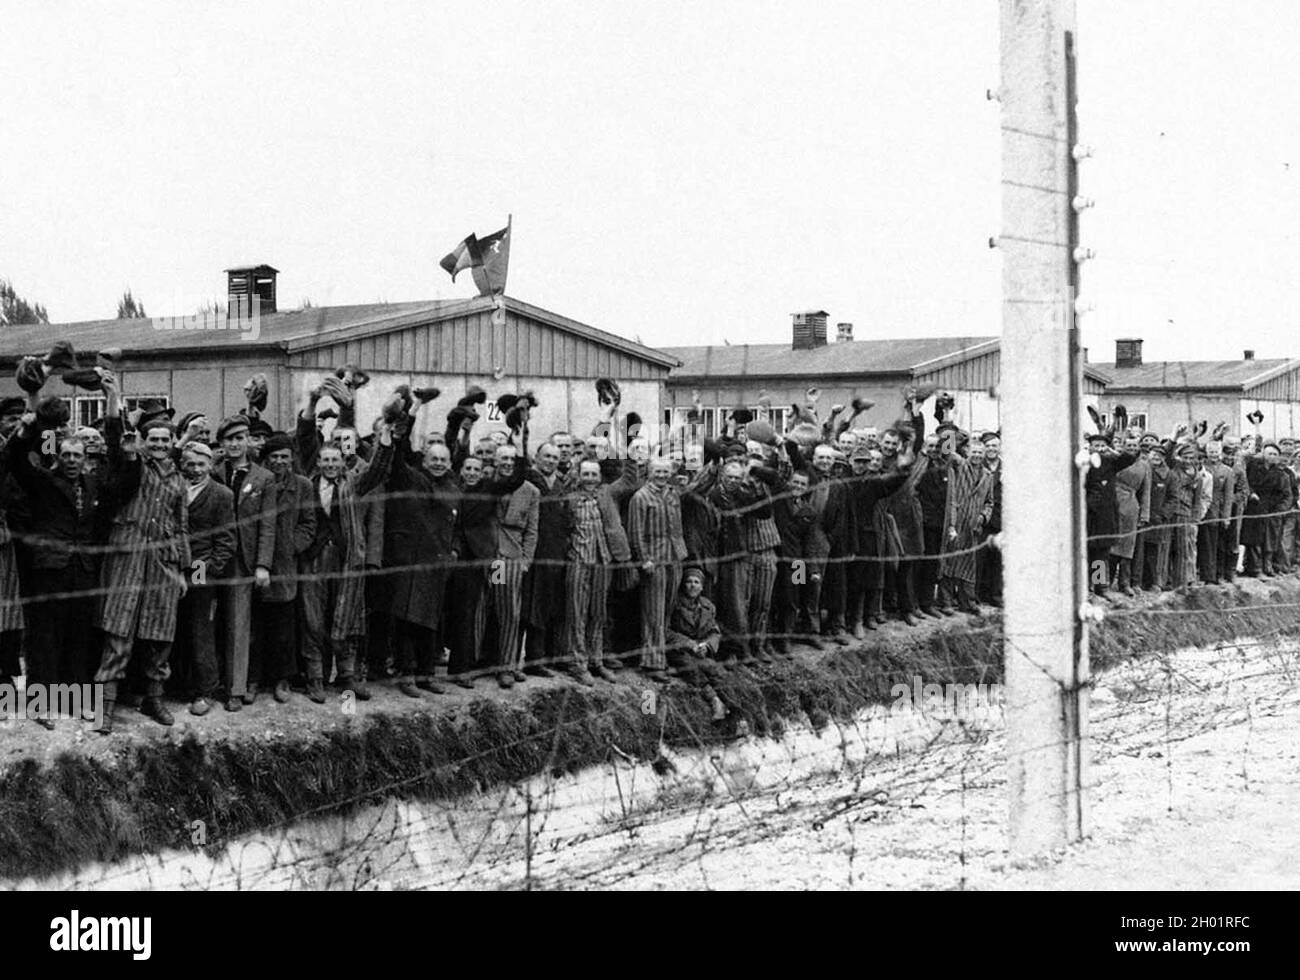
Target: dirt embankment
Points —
{"points": [[70, 798]]}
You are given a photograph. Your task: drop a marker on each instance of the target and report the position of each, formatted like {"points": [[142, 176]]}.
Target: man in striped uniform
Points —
{"points": [[655, 536], [747, 568], [597, 541], [145, 575], [516, 545], [970, 503]]}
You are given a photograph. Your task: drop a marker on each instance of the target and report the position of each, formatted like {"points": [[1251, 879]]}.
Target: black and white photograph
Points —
{"points": [[591, 446]]}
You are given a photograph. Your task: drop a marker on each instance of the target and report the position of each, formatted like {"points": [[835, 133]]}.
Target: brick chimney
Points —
{"points": [[809, 330], [1248, 355], [248, 281], [843, 332], [1128, 352]]}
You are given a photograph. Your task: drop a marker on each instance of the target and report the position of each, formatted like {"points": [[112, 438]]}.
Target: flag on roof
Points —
{"points": [[488, 259]]}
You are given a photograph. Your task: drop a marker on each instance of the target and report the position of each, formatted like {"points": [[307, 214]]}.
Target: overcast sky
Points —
{"points": [[681, 172]]}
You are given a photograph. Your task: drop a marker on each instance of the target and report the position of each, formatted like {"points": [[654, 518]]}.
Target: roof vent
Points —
{"points": [[246, 282], [1128, 353], [809, 329]]}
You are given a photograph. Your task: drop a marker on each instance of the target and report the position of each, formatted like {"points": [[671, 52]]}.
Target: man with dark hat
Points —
{"points": [[273, 639], [259, 431], [254, 517]]}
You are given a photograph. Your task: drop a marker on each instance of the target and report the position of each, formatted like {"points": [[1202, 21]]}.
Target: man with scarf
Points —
{"points": [[145, 573]]}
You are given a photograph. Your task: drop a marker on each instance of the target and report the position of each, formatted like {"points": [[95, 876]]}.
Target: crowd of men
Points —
{"points": [[1187, 509], [216, 562]]}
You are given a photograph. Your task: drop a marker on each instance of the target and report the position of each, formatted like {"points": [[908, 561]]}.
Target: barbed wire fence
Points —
{"points": [[695, 812]]}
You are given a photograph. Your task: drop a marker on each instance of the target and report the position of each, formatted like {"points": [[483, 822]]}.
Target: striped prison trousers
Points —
{"points": [[657, 591], [587, 586], [506, 587]]}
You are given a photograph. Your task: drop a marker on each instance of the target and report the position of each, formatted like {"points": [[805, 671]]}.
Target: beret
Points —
{"points": [[259, 427], [692, 571], [13, 406], [474, 395], [199, 449]]}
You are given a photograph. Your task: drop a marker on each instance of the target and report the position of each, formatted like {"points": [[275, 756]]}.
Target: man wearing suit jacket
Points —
{"points": [[253, 513], [66, 503], [271, 660], [212, 542], [544, 599]]}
